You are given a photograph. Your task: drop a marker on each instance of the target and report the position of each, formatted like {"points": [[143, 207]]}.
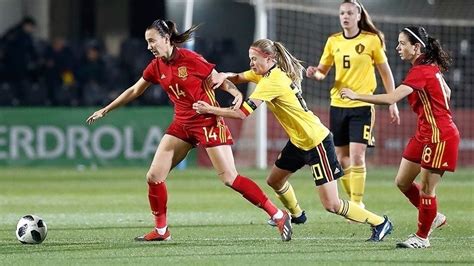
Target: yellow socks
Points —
{"points": [[354, 212], [287, 196], [346, 181], [357, 181]]}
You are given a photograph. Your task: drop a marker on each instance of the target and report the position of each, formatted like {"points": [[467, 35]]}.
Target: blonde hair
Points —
{"points": [[284, 59]]}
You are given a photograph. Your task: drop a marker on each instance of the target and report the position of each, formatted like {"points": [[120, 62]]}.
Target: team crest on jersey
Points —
{"points": [[360, 48], [182, 72]]}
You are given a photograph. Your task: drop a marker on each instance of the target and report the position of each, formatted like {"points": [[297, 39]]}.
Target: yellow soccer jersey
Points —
{"points": [[284, 100], [354, 59]]}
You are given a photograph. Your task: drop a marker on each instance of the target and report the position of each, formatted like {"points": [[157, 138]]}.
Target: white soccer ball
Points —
{"points": [[31, 229]]}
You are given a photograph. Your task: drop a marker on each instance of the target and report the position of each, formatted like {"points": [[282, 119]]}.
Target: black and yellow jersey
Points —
{"points": [[354, 59], [284, 99]]}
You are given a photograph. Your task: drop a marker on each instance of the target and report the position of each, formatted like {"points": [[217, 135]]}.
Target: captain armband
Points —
{"points": [[247, 107]]}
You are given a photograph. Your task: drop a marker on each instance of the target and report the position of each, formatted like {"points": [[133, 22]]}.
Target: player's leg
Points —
{"points": [[435, 160], [278, 180], [169, 153], [358, 172], [287, 163], [339, 126], [326, 170], [342, 153], [427, 210], [361, 123], [405, 181], [223, 161]]}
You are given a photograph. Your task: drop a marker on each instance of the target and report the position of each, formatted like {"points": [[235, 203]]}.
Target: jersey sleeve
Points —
{"points": [[378, 53], [327, 58], [203, 67], [149, 73], [251, 76], [415, 79]]}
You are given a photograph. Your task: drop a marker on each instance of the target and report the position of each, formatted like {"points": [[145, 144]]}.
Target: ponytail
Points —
{"points": [[284, 59], [289, 64], [169, 27]]}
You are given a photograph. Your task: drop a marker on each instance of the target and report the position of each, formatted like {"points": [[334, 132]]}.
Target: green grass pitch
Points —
{"points": [[93, 216]]}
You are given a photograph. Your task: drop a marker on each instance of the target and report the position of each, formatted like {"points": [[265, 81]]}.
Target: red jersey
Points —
{"points": [[429, 101], [183, 78]]}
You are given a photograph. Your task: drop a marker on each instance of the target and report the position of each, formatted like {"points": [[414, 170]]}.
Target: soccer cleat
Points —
{"points": [[414, 241], [284, 226], [439, 221], [154, 236], [294, 220], [381, 230]]}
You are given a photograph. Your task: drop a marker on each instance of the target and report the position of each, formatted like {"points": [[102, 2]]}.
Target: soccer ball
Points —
{"points": [[31, 229]]}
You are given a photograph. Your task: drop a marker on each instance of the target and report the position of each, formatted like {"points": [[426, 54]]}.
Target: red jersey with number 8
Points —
{"points": [[431, 104], [184, 78]]}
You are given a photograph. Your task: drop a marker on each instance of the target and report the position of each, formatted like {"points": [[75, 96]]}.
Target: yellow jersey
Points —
{"points": [[354, 59], [284, 99]]}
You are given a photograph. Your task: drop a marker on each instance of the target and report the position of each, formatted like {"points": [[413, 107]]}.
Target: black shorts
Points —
{"points": [[352, 125], [322, 159]]}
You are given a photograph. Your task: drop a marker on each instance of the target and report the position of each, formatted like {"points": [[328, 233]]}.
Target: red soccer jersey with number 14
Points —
{"points": [[430, 103], [184, 80]]}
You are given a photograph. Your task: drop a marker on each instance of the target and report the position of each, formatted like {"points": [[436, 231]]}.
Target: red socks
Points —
{"points": [[252, 192], [413, 194], [158, 198], [426, 214]]}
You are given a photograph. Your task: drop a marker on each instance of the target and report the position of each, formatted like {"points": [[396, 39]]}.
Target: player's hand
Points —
{"points": [[313, 73], [201, 107], [348, 94], [394, 114], [237, 102], [96, 115], [217, 79]]}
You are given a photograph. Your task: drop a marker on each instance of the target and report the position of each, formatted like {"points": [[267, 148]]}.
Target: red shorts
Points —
{"points": [[207, 136], [442, 155]]}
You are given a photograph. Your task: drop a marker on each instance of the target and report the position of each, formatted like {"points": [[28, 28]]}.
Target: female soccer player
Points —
{"points": [[354, 52], [434, 148], [183, 74], [278, 77]]}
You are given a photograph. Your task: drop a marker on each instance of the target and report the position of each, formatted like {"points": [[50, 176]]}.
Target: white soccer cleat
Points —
{"points": [[414, 241], [439, 221]]}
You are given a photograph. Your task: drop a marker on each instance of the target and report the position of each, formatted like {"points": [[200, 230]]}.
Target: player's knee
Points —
{"points": [[152, 177], [331, 207], [402, 185], [273, 183], [227, 178], [358, 160]]}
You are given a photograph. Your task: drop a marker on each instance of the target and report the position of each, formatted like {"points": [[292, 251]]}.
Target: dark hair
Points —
{"points": [[365, 22], [169, 27], [430, 47], [28, 20]]}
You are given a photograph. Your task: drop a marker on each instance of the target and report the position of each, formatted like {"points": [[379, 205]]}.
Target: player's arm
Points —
{"points": [[247, 108], [217, 78], [389, 85], [230, 88], [128, 95], [318, 73], [446, 89], [382, 99]]}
